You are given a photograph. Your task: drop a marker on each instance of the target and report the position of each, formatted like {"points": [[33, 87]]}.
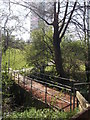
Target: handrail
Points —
{"points": [[85, 83], [73, 93], [50, 84], [56, 77], [52, 95], [84, 107], [78, 95], [83, 102], [69, 90], [69, 87]]}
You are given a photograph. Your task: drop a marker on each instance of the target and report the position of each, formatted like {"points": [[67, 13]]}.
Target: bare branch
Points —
{"points": [[51, 51], [78, 23], [84, 20], [64, 19], [58, 6], [28, 7], [68, 20]]}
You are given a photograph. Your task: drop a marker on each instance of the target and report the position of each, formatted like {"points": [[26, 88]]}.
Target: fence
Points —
{"points": [[72, 89], [84, 106], [56, 98], [81, 101]]}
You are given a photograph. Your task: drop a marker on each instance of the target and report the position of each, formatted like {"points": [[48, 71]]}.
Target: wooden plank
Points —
{"points": [[83, 102], [84, 115], [81, 108]]}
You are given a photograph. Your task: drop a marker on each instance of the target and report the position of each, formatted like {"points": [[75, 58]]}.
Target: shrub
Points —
{"points": [[41, 114]]}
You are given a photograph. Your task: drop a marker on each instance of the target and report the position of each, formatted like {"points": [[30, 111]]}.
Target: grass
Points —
{"points": [[41, 114], [17, 59]]}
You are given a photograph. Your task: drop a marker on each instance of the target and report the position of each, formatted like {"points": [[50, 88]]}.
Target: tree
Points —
{"points": [[60, 25], [88, 43], [0, 55], [39, 51], [58, 35], [73, 58]]}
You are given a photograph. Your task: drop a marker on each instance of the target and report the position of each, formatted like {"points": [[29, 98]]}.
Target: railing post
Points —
{"points": [[31, 85], [24, 79], [71, 95], [89, 93], [74, 94], [45, 93], [29, 73], [14, 75], [18, 78], [11, 75]]}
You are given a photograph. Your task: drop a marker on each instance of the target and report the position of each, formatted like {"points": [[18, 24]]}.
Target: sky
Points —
{"points": [[24, 21]]}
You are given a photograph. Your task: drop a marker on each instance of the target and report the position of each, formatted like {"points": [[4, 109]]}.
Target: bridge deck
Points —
{"points": [[50, 96]]}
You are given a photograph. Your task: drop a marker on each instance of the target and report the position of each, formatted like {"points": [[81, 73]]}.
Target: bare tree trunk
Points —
{"points": [[58, 59], [56, 44], [88, 44], [0, 74], [0, 52]]}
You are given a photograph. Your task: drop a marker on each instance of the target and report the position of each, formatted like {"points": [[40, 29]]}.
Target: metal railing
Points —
{"points": [[53, 100], [77, 88]]}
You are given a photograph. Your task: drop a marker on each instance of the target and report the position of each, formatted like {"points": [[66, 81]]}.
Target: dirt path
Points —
{"points": [[53, 97]]}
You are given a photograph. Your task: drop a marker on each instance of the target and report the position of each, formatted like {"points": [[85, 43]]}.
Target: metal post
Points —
{"points": [[11, 75], [14, 75], [24, 79], [74, 97], [18, 78], [29, 73], [89, 94], [45, 93], [31, 85], [71, 95]]}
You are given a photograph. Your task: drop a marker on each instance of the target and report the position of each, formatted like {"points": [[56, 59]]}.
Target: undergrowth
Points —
{"points": [[41, 114]]}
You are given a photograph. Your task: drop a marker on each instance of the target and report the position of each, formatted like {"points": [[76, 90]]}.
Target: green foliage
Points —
{"points": [[42, 114], [9, 41], [76, 48], [17, 44], [6, 84], [73, 54], [17, 59], [38, 53]]}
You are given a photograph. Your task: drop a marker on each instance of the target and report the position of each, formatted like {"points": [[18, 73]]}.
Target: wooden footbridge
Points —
{"points": [[60, 93]]}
